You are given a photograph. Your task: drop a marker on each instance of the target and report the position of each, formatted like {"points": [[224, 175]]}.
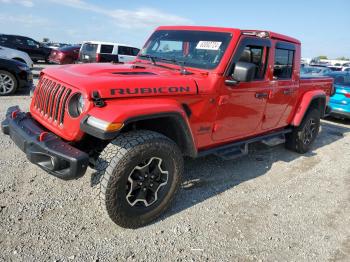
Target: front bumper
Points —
{"points": [[43, 148], [25, 79]]}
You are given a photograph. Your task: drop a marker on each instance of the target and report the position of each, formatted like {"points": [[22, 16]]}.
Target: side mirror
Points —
{"points": [[244, 72]]}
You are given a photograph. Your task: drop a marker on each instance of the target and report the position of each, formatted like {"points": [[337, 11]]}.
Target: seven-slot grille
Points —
{"points": [[51, 99]]}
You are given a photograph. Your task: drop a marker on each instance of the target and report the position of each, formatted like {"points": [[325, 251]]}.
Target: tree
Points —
{"points": [[322, 57], [343, 58]]}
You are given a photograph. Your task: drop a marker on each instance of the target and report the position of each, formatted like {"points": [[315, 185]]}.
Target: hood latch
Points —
{"points": [[98, 101]]}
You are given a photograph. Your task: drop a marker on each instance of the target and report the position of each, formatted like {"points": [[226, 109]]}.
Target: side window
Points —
{"points": [[283, 67], [106, 49], [18, 41], [257, 55], [31, 42], [4, 40], [126, 50], [135, 51]]}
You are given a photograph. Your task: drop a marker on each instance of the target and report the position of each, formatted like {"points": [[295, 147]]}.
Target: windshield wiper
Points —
{"points": [[183, 70], [151, 58]]}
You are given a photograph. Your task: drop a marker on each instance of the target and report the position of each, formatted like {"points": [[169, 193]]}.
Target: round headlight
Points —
{"points": [[76, 105], [81, 104]]}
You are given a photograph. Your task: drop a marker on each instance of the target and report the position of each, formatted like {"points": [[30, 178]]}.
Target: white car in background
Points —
{"points": [[102, 52], [10, 53]]}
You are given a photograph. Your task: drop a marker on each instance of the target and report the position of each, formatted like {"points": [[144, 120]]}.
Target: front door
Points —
{"points": [[241, 106]]}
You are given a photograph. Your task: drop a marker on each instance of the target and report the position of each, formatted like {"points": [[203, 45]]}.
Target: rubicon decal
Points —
{"points": [[150, 90]]}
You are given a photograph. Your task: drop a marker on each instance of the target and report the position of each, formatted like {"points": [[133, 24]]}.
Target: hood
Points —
{"points": [[124, 80]]}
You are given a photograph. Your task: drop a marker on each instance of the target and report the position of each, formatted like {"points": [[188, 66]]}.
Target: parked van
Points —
{"points": [[98, 52]]}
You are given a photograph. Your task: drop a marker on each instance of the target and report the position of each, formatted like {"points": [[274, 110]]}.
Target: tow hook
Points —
{"points": [[98, 101]]}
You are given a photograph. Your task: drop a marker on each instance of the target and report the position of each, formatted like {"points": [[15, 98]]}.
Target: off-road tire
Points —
{"points": [[296, 140], [119, 159]]}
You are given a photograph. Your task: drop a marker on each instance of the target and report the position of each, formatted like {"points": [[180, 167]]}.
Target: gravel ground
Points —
{"points": [[270, 205]]}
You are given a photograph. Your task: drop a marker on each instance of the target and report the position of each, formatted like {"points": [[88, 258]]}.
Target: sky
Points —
{"points": [[323, 27]]}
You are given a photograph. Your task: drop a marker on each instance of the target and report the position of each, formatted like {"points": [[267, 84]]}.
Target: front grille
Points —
{"points": [[51, 99]]}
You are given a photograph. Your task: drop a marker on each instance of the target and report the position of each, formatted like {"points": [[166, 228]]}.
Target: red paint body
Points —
{"points": [[65, 55], [226, 113]]}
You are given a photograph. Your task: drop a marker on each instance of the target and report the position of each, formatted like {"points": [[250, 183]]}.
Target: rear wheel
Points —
{"points": [[303, 136], [139, 173], [8, 83]]}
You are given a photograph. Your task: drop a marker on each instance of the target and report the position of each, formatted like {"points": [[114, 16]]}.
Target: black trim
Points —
{"points": [[95, 131], [133, 73], [190, 149], [253, 41], [188, 145], [187, 110], [324, 98], [241, 143], [53, 155], [285, 45]]}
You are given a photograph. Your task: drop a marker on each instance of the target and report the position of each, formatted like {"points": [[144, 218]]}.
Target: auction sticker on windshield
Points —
{"points": [[208, 45]]}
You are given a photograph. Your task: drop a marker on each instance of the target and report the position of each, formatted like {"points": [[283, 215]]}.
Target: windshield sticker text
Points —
{"points": [[208, 45]]}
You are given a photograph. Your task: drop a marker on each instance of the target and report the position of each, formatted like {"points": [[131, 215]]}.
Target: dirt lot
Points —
{"points": [[271, 205]]}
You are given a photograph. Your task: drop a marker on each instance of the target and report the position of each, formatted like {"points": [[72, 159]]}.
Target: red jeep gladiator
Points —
{"points": [[192, 91]]}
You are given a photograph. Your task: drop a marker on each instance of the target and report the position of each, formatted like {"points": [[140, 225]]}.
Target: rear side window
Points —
{"points": [[31, 42], [126, 50], [106, 49], [283, 66]]}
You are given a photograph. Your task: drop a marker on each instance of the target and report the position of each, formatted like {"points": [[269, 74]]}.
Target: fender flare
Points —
{"points": [[305, 103], [143, 110], [188, 146]]}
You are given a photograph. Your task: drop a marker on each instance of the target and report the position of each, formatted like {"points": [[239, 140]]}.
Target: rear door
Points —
{"points": [[127, 53], [241, 106], [34, 48], [285, 85]]}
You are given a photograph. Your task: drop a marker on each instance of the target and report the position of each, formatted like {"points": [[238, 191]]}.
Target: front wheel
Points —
{"points": [[139, 173], [302, 137], [8, 83]]}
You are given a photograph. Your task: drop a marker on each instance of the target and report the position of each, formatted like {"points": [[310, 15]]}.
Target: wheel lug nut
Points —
{"points": [[140, 183], [144, 189], [151, 185], [152, 177], [146, 175]]}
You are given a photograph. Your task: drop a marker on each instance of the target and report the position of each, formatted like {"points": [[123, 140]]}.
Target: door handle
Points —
{"points": [[261, 95]]}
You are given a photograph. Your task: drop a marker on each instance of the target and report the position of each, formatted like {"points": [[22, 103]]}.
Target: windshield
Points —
{"points": [[197, 49], [89, 48]]}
